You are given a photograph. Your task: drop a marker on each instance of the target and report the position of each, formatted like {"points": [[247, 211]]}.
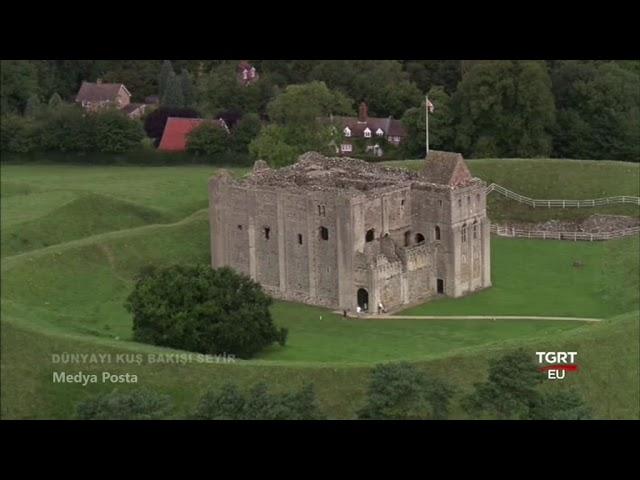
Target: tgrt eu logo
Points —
{"points": [[556, 364]]}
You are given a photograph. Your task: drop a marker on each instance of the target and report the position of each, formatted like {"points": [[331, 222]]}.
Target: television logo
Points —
{"points": [[557, 364]]}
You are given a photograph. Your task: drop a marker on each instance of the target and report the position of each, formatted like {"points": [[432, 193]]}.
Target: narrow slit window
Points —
{"points": [[267, 232], [299, 239], [324, 233]]}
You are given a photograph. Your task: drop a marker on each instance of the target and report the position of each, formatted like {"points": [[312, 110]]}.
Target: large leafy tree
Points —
{"points": [[510, 389], [598, 110], [18, 82], [400, 391], [186, 84], [441, 125], [562, 405], [203, 310], [506, 109], [296, 126]]}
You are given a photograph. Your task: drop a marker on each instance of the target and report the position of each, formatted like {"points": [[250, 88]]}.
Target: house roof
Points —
{"points": [[174, 137], [99, 92], [131, 107], [390, 126], [446, 168]]}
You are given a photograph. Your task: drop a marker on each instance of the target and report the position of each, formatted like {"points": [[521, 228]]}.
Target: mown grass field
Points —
{"points": [[73, 238]]}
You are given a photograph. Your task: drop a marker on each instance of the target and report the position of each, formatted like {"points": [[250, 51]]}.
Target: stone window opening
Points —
{"points": [[437, 232], [402, 203], [321, 210], [463, 232], [324, 233], [419, 238], [299, 239], [407, 238], [475, 229], [267, 232], [440, 203], [239, 227], [370, 235], [459, 203]]}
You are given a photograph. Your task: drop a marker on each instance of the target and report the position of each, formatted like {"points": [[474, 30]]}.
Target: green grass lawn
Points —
{"points": [[73, 237]]}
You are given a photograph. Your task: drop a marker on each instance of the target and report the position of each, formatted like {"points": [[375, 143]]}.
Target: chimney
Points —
{"points": [[363, 113]]}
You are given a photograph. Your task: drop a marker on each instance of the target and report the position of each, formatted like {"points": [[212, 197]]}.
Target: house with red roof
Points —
{"points": [[174, 137], [366, 133]]}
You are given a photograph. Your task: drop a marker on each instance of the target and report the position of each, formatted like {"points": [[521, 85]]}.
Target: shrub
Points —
{"points": [[208, 139], [18, 134], [117, 133], [203, 310], [258, 404], [400, 391], [134, 405]]}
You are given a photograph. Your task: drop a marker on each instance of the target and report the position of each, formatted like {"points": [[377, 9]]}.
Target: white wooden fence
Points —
{"points": [[504, 231], [494, 187]]}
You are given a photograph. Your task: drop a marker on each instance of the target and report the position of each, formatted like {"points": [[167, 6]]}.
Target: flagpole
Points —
{"points": [[426, 106]]}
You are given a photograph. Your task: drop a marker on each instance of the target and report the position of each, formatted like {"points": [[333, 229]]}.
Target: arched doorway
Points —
{"points": [[363, 299]]}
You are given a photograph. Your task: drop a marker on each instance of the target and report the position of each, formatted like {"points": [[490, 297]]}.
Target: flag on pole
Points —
{"points": [[429, 106]]}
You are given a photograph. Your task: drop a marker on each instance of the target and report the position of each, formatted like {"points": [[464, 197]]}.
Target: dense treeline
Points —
{"points": [[567, 109]]}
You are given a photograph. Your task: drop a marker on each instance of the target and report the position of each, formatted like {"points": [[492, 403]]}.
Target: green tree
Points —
{"points": [[166, 72], [116, 133], [134, 405], [510, 390], [188, 92], [55, 101], [203, 310], [18, 81], [598, 110], [173, 97], [33, 106], [68, 129], [271, 146], [17, 134], [245, 131], [296, 126], [563, 405], [209, 139], [505, 108], [441, 125], [400, 391]]}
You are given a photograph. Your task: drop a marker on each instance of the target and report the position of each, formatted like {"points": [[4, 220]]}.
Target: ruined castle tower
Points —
{"points": [[343, 233]]}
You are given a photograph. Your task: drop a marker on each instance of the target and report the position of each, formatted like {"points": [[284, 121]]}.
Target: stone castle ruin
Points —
{"points": [[344, 233]]}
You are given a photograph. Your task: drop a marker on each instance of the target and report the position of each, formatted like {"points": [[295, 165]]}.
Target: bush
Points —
{"points": [[560, 406], [134, 405], [208, 139], [400, 391], [68, 129], [117, 133], [258, 404], [203, 310], [18, 134]]}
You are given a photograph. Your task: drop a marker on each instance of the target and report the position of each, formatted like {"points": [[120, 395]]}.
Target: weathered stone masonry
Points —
{"points": [[341, 232]]}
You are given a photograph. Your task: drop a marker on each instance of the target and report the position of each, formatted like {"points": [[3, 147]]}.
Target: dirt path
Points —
{"points": [[469, 317]]}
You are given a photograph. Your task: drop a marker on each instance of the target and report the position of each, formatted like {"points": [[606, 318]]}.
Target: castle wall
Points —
{"points": [[275, 236]]}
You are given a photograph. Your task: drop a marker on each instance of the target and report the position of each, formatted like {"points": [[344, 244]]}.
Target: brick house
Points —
{"points": [[96, 96], [247, 73], [370, 130]]}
